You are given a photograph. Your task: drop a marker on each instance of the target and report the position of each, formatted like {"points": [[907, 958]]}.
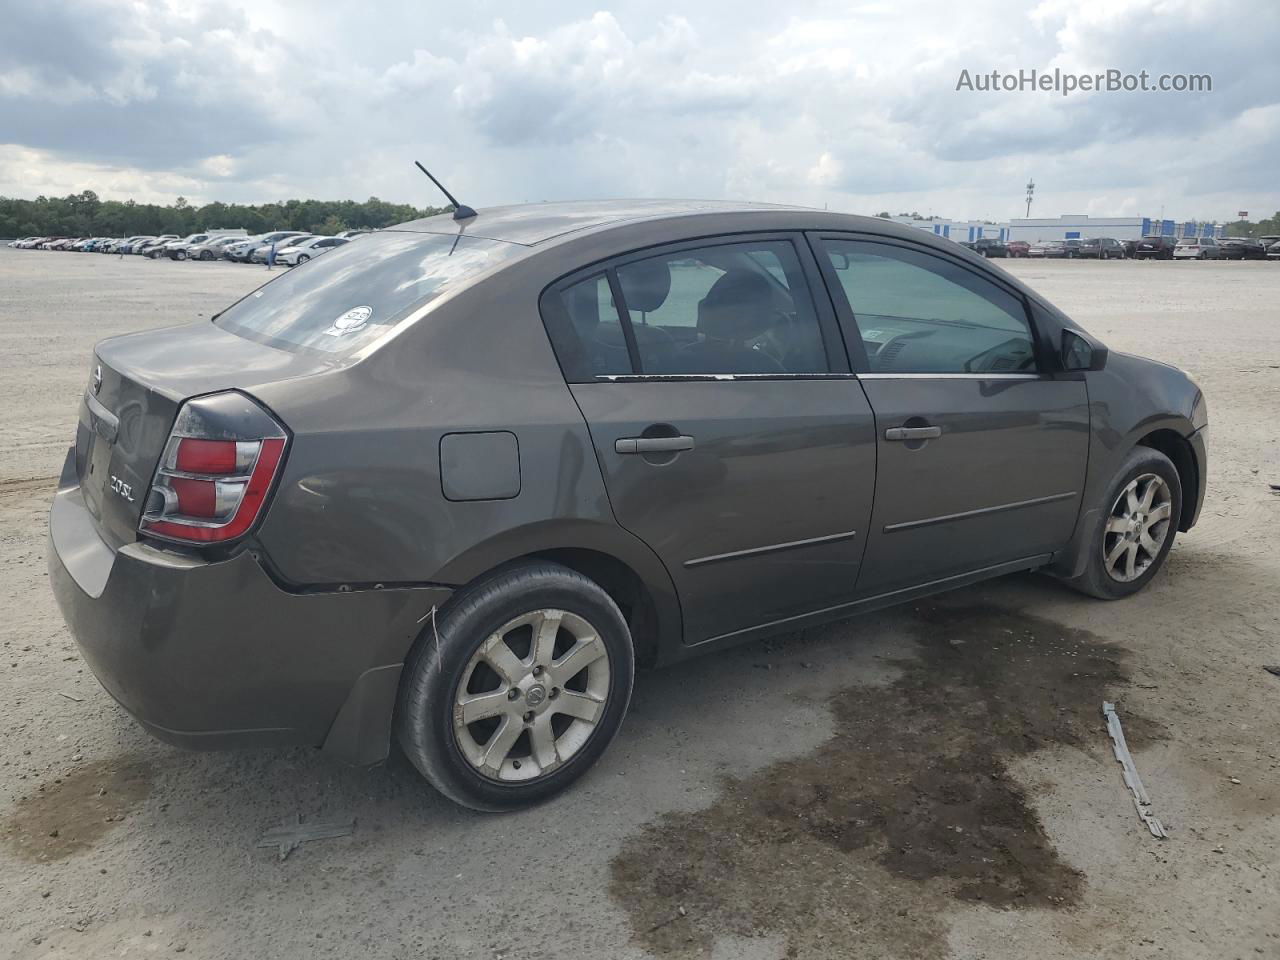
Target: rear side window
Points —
{"points": [[738, 308], [586, 331], [357, 292], [917, 313]]}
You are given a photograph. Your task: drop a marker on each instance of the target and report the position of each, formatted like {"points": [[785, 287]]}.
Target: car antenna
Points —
{"points": [[460, 210]]}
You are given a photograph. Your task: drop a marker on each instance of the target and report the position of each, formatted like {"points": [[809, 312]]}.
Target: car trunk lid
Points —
{"points": [[136, 385]]}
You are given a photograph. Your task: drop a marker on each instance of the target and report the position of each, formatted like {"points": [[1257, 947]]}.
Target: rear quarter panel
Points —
{"points": [[361, 500]]}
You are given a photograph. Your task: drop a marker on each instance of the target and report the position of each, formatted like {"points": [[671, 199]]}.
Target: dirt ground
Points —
{"points": [[927, 782]]}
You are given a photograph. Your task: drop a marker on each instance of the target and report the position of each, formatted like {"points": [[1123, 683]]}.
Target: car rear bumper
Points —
{"points": [[210, 655]]}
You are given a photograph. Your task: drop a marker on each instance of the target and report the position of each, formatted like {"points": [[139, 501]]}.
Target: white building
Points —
{"points": [[961, 231], [1079, 226]]}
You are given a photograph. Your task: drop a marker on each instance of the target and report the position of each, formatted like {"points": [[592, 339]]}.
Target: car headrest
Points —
{"points": [[739, 306], [645, 284]]}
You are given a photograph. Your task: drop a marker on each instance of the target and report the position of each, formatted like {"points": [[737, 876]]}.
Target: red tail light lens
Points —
{"points": [[212, 490]]}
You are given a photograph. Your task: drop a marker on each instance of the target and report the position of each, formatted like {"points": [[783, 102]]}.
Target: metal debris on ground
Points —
{"points": [[289, 836], [1141, 801], [70, 697], [1272, 669]]}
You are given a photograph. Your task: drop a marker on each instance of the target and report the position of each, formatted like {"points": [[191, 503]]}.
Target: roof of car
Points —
{"points": [[532, 223]]}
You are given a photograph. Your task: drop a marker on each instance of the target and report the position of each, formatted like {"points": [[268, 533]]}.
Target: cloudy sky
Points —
{"points": [[846, 104]]}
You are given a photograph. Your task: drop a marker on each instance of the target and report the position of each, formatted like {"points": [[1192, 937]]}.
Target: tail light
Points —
{"points": [[216, 472]]}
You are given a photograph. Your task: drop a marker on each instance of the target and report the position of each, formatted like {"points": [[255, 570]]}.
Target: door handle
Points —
{"points": [[653, 444], [913, 433]]}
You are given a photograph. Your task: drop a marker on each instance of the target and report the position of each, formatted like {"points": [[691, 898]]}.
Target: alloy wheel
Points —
{"points": [[531, 695], [1137, 527]]}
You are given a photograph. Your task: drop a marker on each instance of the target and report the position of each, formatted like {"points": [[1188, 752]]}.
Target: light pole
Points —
{"points": [[1031, 189]]}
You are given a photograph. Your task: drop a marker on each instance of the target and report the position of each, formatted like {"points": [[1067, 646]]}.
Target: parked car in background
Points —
{"points": [[133, 243], [1272, 243], [154, 251], [1130, 248], [351, 234], [990, 247], [1017, 248], [242, 251], [307, 249], [1071, 248], [142, 249], [259, 254], [1155, 247], [177, 250], [1242, 248], [1197, 248], [1049, 249], [125, 245], [491, 539], [210, 249], [1100, 248]]}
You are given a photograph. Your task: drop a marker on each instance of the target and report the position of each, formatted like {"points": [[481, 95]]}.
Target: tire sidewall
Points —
{"points": [[1141, 460], [424, 722]]}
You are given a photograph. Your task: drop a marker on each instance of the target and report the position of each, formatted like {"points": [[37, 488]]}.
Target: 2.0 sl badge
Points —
{"points": [[124, 489]]}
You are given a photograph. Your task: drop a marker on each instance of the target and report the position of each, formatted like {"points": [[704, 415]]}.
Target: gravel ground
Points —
{"points": [[932, 781]]}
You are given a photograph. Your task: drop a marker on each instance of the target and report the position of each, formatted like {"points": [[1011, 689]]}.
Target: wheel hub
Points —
{"points": [[1137, 527], [531, 695]]}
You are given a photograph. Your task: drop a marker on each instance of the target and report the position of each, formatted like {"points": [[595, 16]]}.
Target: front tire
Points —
{"points": [[516, 688], [1135, 530]]}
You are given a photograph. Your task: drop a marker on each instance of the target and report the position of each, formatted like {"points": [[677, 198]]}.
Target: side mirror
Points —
{"points": [[1080, 352]]}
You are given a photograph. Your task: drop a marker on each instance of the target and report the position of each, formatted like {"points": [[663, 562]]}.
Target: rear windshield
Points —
{"points": [[358, 291]]}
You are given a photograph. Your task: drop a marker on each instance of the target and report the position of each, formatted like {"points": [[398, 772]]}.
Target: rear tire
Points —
{"points": [[1135, 527], [543, 712]]}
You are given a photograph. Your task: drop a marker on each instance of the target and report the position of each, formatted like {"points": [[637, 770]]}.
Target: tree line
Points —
{"points": [[1269, 227], [86, 215]]}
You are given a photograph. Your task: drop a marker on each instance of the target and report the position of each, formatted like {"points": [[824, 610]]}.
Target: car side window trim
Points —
{"points": [[833, 341], [857, 351]]}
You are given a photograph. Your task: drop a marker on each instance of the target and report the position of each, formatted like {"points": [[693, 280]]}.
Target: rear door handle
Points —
{"points": [[653, 444], [913, 433]]}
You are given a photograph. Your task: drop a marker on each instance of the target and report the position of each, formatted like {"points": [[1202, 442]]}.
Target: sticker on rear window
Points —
{"points": [[351, 321]]}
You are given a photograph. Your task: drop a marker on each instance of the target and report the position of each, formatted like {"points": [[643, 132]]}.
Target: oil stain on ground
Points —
{"points": [[861, 844], [72, 813]]}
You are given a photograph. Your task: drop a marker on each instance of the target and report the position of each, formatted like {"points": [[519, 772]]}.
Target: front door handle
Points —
{"points": [[913, 433], [653, 444]]}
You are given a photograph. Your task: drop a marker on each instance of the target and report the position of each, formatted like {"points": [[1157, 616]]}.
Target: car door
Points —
{"points": [[982, 446], [732, 436]]}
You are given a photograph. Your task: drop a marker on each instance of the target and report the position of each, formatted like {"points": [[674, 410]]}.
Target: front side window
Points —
{"points": [[344, 301], [737, 308], [919, 313]]}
